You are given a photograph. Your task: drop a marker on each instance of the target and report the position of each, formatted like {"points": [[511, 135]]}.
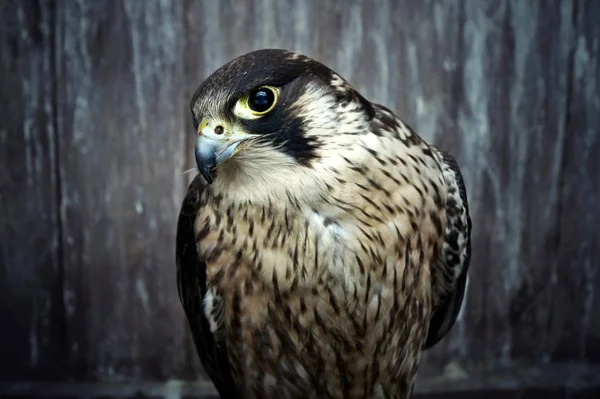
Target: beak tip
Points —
{"points": [[205, 171], [205, 166], [207, 176]]}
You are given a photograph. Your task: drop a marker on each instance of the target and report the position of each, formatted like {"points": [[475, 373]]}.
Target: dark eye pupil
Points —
{"points": [[261, 100]]}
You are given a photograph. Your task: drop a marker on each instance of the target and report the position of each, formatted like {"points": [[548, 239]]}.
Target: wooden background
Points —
{"points": [[95, 134]]}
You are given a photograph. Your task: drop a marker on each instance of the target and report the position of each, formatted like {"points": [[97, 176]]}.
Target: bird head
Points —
{"points": [[269, 111]]}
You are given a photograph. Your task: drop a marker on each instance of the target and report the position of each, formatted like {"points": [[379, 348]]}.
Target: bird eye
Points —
{"points": [[261, 100], [256, 103]]}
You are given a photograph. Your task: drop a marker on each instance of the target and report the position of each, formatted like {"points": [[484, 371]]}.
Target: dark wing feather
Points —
{"points": [[454, 259], [191, 284]]}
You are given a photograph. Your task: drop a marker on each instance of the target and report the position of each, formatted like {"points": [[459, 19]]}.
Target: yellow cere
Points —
{"points": [[202, 126]]}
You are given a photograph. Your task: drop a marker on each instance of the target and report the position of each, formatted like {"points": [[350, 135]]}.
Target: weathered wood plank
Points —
{"points": [[32, 339], [121, 166], [576, 306], [515, 113]]}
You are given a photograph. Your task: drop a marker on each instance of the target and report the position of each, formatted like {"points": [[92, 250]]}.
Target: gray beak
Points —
{"points": [[211, 153]]}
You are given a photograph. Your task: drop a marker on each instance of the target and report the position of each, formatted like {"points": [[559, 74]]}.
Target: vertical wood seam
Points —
{"points": [[60, 264], [566, 137]]}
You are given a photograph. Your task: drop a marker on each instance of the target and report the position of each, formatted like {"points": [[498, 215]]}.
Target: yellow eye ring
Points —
{"points": [[262, 100], [257, 103]]}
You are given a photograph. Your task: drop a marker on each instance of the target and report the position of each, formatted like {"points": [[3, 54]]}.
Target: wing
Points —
{"points": [[191, 284], [455, 256]]}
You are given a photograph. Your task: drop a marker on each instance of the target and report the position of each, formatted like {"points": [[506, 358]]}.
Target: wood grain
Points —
{"points": [[512, 134], [121, 142], [576, 305], [32, 340]]}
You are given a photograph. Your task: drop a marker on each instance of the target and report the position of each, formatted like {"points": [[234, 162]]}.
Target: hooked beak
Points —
{"points": [[210, 153]]}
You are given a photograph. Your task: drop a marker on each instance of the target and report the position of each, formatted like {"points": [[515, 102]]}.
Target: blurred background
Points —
{"points": [[96, 133]]}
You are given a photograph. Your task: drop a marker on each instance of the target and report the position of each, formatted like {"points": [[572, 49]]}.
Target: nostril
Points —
{"points": [[219, 130]]}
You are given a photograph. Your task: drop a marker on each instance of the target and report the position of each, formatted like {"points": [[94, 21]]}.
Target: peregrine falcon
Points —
{"points": [[323, 245]]}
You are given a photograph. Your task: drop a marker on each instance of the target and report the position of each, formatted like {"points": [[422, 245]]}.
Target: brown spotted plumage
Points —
{"points": [[324, 245]]}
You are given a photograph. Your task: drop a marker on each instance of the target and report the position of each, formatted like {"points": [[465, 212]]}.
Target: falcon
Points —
{"points": [[323, 245]]}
